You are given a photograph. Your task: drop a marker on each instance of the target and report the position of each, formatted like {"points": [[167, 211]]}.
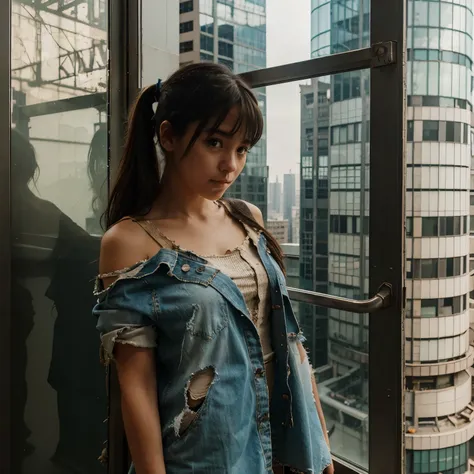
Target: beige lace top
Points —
{"points": [[244, 267]]}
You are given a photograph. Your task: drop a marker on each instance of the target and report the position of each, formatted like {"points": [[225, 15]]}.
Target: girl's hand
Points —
{"points": [[329, 469]]}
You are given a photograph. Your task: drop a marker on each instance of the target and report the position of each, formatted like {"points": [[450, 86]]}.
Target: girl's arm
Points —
{"points": [[122, 247], [137, 378]]}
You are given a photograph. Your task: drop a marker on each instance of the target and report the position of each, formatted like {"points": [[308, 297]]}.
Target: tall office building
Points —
{"points": [[471, 232], [289, 200], [275, 199], [234, 35], [440, 416], [314, 228]]}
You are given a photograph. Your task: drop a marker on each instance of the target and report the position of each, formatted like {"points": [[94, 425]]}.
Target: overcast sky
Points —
{"points": [[288, 40]]}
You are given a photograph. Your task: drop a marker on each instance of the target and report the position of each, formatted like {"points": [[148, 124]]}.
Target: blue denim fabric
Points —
{"points": [[201, 321]]}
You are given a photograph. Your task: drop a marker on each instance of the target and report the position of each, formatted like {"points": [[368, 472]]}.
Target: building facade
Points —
{"points": [[439, 413], [279, 230], [233, 34], [289, 200], [313, 235], [275, 194]]}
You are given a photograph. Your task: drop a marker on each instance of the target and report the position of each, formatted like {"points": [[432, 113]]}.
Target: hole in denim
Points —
{"points": [[195, 394]]}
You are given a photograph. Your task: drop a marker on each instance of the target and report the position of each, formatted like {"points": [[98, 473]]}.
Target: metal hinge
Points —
{"points": [[384, 54]]}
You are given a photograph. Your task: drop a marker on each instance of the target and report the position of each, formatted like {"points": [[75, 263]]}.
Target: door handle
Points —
{"points": [[382, 299]]}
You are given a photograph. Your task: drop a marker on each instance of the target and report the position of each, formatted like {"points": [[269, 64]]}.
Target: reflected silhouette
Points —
{"points": [[97, 171], [59, 398]]}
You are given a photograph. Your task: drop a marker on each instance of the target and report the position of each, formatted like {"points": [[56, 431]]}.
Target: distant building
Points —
{"points": [[291, 260], [279, 229], [275, 193], [289, 201], [209, 33], [292, 264], [295, 224]]}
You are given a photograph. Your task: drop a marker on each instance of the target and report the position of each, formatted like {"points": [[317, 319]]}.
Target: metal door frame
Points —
{"points": [[124, 80]]}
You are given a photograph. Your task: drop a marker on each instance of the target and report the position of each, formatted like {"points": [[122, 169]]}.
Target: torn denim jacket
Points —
{"points": [[196, 319]]}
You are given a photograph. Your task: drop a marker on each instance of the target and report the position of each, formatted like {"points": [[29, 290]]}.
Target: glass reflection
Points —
{"points": [[318, 207], [59, 171]]}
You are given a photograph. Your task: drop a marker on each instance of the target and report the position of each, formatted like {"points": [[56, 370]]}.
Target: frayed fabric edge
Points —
{"points": [[298, 471], [121, 274], [110, 339]]}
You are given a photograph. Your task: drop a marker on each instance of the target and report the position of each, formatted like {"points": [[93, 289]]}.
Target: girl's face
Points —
{"points": [[214, 161]]}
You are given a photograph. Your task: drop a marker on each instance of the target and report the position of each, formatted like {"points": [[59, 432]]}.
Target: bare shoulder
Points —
{"points": [[123, 245], [256, 212]]}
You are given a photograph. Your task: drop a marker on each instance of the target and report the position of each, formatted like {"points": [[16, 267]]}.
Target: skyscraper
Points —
{"points": [[234, 35], [314, 214], [440, 417], [274, 199], [289, 199]]}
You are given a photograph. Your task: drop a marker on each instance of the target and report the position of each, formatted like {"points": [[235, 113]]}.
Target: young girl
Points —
{"points": [[193, 305]]}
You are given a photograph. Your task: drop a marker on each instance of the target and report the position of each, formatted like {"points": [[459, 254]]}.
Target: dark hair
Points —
{"points": [[24, 164], [241, 212], [202, 93], [97, 169]]}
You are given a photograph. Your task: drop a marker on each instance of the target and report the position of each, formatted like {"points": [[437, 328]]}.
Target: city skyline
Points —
{"points": [[283, 107]]}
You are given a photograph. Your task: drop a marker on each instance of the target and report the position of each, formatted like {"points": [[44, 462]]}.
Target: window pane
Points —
{"points": [[429, 268], [446, 307], [410, 130], [430, 130], [59, 190], [328, 27], [207, 43], [326, 226], [434, 14], [457, 225], [186, 46], [449, 267], [450, 131], [185, 7], [429, 308], [443, 226], [430, 226], [420, 36], [186, 26], [206, 23], [420, 78], [421, 13]]}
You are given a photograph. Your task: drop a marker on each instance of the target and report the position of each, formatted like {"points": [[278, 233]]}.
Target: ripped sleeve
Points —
{"points": [[122, 319], [133, 334]]}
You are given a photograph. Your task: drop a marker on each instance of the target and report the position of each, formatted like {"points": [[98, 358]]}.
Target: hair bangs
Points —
{"points": [[249, 118]]}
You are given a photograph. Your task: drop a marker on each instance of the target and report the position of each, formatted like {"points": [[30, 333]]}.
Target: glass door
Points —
{"points": [[56, 77], [58, 190]]}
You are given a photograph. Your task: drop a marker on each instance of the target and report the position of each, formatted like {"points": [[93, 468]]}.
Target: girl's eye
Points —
{"points": [[214, 142], [243, 150]]}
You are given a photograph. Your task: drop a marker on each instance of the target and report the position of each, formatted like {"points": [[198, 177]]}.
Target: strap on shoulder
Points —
{"points": [[154, 233], [241, 207]]}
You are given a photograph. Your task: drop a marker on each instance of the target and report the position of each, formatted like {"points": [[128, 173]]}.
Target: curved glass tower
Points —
{"points": [[440, 416]]}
